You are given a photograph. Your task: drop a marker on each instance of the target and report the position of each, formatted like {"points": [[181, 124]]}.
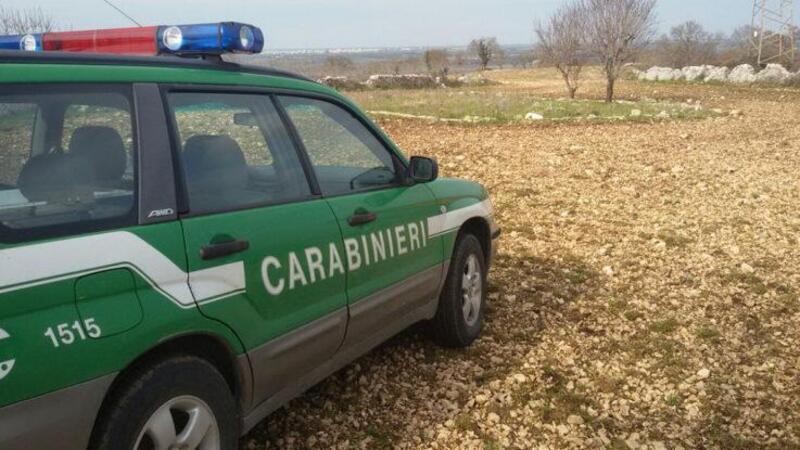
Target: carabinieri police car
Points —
{"points": [[186, 244]]}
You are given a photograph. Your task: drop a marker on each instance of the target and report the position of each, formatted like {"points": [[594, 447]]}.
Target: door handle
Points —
{"points": [[215, 251], [362, 218]]}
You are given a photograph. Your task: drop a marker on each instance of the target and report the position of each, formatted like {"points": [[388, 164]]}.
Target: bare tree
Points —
{"points": [[617, 30], [562, 44], [24, 21], [437, 62], [688, 44], [485, 49]]}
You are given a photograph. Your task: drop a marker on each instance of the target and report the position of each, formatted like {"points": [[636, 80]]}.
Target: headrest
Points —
{"points": [[100, 150], [48, 178], [214, 164]]}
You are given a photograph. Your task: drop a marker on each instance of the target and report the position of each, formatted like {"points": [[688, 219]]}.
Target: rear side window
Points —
{"points": [[66, 161], [236, 152]]}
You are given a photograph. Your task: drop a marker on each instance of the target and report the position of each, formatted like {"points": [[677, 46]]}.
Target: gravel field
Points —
{"points": [[645, 296]]}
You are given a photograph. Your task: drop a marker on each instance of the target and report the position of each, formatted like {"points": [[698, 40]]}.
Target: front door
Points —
{"points": [[394, 268], [259, 243]]}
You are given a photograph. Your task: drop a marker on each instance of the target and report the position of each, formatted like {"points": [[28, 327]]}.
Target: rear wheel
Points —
{"points": [[459, 319], [178, 404]]}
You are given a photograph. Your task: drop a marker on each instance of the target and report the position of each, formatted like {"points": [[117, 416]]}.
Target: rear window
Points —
{"points": [[66, 161]]}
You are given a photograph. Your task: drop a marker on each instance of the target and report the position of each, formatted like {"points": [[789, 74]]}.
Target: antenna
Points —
{"points": [[774, 31], [107, 2]]}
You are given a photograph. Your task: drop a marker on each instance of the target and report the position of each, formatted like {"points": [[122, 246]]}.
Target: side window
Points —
{"points": [[236, 152], [67, 162], [345, 154]]}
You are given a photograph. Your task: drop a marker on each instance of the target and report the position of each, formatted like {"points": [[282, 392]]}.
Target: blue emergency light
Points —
{"points": [[27, 42], [212, 38]]}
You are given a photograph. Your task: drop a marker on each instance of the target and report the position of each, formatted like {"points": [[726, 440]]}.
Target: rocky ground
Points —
{"points": [[646, 294]]}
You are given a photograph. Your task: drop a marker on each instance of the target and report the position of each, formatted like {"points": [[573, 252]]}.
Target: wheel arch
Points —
{"points": [[480, 228], [206, 346]]}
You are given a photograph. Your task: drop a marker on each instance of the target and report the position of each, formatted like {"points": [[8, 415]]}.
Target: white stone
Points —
{"points": [[696, 73], [534, 116], [657, 73], [636, 113], [747, 268], [742, 74], [717, 74], [703, 373], [575, 420], [774, 74]]}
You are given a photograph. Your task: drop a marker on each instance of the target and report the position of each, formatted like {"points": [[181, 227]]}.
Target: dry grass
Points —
{"points": [[645, 294]]}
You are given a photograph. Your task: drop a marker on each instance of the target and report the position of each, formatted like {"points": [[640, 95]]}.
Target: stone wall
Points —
{"points": [[412, 81], [743, 74]]}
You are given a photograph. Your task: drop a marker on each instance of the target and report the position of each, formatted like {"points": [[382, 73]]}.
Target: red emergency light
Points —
{"points": [[129, 41]]}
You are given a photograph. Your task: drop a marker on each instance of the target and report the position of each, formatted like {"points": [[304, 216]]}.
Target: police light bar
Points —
{"points": [[182, 40]]}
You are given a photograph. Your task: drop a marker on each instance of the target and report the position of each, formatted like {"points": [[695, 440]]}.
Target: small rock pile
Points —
{"points": [[412, 81], [341, 83], [381, 81], [742, 74]]}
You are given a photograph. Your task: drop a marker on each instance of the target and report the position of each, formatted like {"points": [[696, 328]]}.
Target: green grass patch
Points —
{"points": [[666, 326], [674, 400], [633, 316], [708, 333], [751, 281], [494, 105]]}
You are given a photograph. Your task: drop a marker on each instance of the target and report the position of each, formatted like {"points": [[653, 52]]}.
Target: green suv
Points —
{"points": [[186, 245]]}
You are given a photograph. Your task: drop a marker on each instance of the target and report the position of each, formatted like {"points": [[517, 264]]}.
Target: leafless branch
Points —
{"points": [[23, 21], [617, 30], [562, 44]]}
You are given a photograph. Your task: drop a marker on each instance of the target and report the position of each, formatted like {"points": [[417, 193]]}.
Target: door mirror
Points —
{"points": [[423, 170]]}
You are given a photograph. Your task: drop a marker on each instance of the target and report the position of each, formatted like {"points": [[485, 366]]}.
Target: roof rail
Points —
{"points": [[11, 56]]}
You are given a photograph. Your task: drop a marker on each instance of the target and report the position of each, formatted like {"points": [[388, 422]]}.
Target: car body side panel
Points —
{"points": [[62, 419], [38, 295]]}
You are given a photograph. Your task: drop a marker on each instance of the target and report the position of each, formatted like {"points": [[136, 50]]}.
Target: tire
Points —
{"points": [[172, 393], [459, 319]]}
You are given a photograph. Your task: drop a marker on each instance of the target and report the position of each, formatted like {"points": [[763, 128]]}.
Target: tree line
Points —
{"points": [[614, 33]]}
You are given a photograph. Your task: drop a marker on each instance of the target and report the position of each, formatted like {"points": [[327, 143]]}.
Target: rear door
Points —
{"points": [[80, 271], [259, 243], [394, 268]]}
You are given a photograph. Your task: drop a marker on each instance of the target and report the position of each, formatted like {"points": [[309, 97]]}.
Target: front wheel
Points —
{"points": [[459, 319], [179, 404]]}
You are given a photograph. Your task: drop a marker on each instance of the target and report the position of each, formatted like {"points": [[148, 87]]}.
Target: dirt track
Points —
{"points": [[646, 293]]}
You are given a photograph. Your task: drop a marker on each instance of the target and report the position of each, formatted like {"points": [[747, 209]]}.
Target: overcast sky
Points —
{"points": [[369, 23]]}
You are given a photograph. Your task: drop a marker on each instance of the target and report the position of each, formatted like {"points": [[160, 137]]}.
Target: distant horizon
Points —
{"points": [[340, 24]]}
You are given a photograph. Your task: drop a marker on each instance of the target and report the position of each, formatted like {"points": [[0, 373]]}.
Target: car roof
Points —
{"points": [[76, 67]]}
